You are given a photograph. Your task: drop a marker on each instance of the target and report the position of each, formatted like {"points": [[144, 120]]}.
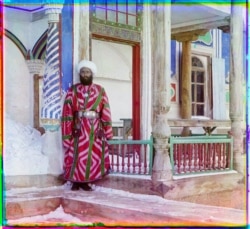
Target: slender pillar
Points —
{"points": [[84, 33], [160, 38], [186, 63], [51, 110], [52, 98], [186, 96], [82, 36], [146, 101], [36, 69], [235, 86]]}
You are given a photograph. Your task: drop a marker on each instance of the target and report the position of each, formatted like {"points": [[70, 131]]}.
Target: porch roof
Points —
{"points": [[184, 17]]}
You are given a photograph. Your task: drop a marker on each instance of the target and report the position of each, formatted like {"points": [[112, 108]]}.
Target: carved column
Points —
{"points": [[160, 38], [236, 77], [146, 101]]}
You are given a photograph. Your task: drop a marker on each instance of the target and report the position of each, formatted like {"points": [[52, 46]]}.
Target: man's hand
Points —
{"points": [[76, 132]]}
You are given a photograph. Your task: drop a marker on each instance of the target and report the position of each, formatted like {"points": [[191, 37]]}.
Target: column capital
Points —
{"points": [[53, 10], [36, 66], [189, 36]]}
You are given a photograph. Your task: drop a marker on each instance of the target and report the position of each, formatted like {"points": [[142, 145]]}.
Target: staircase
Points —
{"points": [[133, 205]]}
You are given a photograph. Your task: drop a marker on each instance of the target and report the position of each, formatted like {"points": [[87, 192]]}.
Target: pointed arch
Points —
{"points": [[17, 42], [39, 48]]}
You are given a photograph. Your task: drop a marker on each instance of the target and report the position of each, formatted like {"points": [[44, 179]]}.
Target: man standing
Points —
{"points": [[86, 127]]}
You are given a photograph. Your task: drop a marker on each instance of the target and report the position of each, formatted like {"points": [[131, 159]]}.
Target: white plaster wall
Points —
{"points": [[174, 112], [18, 82], [114, 66], [20, 24], [17, 85], [120, 98], [37, 28]]}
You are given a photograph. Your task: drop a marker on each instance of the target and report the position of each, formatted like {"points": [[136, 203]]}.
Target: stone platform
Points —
{"points": [[136, 205]]}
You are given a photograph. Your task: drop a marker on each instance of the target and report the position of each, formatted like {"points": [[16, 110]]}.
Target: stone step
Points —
{"points": [[109, 207]]}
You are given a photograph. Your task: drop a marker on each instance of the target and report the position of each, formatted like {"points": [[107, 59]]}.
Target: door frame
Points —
{"points": [[136, 81]]}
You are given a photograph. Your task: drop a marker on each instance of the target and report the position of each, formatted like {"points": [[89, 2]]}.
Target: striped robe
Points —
{"points": [[88, 159]]}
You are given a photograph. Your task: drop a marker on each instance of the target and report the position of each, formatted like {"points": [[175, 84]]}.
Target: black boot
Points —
{"points": [[75, 186], [85, 187]]}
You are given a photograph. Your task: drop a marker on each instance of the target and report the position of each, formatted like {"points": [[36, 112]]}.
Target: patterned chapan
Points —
{"points": [[86, 156]]}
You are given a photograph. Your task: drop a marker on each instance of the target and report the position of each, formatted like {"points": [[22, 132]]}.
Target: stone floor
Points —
{"points": [[109, 207]]}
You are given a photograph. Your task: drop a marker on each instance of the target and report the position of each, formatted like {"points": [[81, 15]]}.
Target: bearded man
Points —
{"points": [[86, 127]]}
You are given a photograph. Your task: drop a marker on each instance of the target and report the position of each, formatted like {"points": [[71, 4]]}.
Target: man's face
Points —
{"points": [[86, 77]]}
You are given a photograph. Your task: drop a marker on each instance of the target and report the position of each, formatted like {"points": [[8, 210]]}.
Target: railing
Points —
{"points": [[201, 154], [131, 156]]}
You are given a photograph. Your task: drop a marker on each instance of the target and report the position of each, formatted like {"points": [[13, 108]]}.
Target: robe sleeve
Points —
{"points": [[67, 119], [106, 117]]}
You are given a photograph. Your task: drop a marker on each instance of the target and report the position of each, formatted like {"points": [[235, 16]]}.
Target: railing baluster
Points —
{"points": [[200, 148], [213, 156], [144, 158], [123, 159], [179, 157], [223, 155], [175, 156], [189, 154], [131, 156], [126, 153], [195, 156], [208, 156], [111, 148], [139, 154], [219, 156], [204, 155], [190, 147], [230, 152], [227, 155], [184, 157], [132, 150]]}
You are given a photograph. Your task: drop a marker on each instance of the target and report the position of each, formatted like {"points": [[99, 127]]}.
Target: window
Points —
{"points": [[198, 85], [117, 12]]}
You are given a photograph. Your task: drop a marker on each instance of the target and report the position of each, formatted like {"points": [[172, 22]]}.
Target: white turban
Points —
{"points": [[87, 64]]}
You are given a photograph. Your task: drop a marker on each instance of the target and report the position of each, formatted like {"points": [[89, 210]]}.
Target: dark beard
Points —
{"points": [[86, 81]]}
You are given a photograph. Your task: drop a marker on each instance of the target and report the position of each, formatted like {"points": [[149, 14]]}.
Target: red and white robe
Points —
{"points": [[88, 159]]}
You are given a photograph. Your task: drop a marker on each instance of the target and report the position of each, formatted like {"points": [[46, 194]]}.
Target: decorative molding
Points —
{"points": [[51, 124], [205, 40], [116, 32]]}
